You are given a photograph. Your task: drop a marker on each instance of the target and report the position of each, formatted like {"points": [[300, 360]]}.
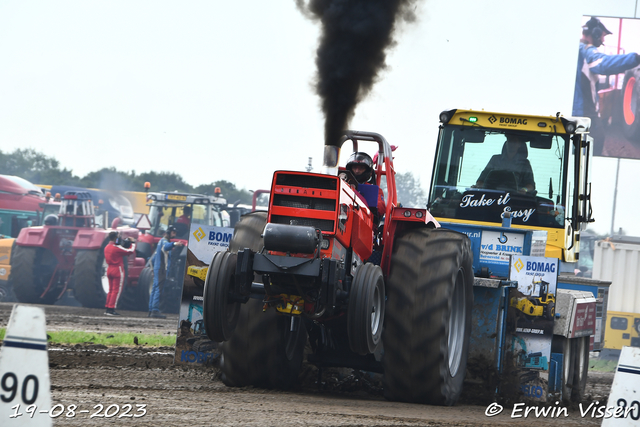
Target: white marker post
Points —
{"points": [[624, 399], [25, 388]]}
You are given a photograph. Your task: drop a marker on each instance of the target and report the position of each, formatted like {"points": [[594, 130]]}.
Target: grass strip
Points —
{"points": [[603, 365], [107, 338]]}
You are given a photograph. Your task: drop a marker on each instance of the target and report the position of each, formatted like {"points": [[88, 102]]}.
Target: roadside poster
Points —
{"points": [[192, 344], [530, 323]]}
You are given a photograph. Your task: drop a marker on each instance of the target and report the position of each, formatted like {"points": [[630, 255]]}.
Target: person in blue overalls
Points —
{"points": [[161, 263]]}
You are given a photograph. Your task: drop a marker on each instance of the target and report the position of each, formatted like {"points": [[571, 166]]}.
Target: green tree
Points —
{"points": [[228, 190], [410, 193], [35, 167]]}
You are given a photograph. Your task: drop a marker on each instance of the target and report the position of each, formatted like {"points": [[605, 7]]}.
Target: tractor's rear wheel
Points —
{"points": [[90, 278], [31, 271], [247, 232], [428, 317], [366, 309], [137, 298], [263, 350], [219, 314]]}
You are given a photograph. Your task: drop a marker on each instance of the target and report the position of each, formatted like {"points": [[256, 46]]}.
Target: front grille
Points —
{"points": [[307, 181], [304, 202], [321, 224]]}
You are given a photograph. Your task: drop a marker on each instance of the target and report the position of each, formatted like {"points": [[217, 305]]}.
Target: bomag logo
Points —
{"points": [[492, 119], [512, 121], [518, 265], [199, 234]]}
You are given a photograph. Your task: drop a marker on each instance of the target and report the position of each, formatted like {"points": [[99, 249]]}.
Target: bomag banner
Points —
{"points": [[607, 84], [530, 324], [192, 344]]}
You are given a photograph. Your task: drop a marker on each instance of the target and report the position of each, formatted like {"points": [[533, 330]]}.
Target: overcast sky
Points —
{"points": [[223, 89]]}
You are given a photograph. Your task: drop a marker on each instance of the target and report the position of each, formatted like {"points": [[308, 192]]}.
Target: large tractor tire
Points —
{"points": [[137, 298], [631, 105], [428, 317], [90, 278], [247, 232], [31, 271], [263, 351]]}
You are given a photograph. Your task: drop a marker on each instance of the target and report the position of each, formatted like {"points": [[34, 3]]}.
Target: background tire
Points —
{"points": [[428, 317], [220, 316], [31, 271], [631, 106], [563, 345], [262, 351], [88, 275], [580, 350], [137, 298], [365, 315]]}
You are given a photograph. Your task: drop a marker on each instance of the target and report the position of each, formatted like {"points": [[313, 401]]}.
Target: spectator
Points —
{"points": [[591, 64], [114, 254], [161, 264]]}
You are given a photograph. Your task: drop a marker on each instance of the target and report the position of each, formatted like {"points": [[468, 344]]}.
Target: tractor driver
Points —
{"points": [[361, 166], [513, 159]]}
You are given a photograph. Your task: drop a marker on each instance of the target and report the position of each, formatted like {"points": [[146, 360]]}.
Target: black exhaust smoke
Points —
{"points": [[355, 35]]}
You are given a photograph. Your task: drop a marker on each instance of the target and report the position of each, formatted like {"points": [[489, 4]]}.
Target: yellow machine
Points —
{"points": [[470, 187], [537, 306], [623, 329]]}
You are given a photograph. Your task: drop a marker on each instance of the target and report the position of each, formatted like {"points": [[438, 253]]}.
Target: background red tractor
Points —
{"points": [[319, 265], [67, 252]]}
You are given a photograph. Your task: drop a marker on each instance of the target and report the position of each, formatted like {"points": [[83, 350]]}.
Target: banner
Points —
{"points": [[530, 320], [192, 343], [607, 84]]}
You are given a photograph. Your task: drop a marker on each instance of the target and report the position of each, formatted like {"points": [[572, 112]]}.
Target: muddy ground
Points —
{"points": [[88, 375]]}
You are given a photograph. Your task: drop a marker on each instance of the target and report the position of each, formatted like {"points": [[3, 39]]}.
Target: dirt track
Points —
{"points": [[89, 375]]}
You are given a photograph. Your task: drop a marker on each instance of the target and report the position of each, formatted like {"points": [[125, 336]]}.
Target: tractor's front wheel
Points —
{"points": [[31, 271], [366, 309], [90, 278], [428, 317], [219, 314]]}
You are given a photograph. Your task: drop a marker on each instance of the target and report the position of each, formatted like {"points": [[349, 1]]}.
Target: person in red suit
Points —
{"points": [[114, 254]]}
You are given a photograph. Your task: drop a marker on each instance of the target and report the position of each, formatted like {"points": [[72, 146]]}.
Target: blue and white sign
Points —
{"points": [[206, 240], [530, 272], [496, 247]]}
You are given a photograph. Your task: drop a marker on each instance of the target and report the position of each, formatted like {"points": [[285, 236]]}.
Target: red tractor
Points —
{"points": [[67, 252], [391, 296]]}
